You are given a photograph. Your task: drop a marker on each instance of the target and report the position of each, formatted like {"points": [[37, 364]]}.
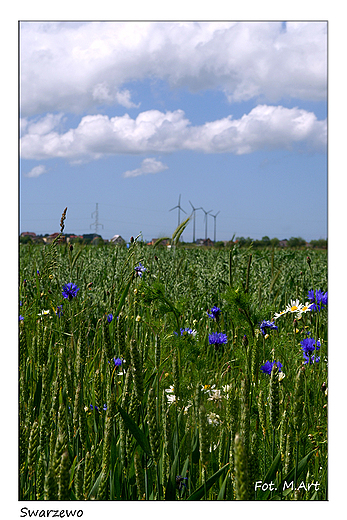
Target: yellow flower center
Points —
{"points": [[294, 308]]}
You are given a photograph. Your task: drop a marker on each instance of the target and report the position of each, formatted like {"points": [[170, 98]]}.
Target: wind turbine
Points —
{"points": [[215, 217], [194, 210], [206, 213], [179, 209]]}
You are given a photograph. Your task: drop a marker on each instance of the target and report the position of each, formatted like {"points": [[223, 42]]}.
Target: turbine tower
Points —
{"points": [[179, 209], [215, 217], [206, 213], [194, 210]]}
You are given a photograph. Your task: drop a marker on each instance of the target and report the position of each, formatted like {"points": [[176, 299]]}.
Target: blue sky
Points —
{"points": [[232, 116]]}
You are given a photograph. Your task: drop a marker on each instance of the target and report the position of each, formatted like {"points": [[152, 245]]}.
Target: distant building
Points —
{"points": [[283, 243], [49, 239], [203, 242], [117, 240], [73, 238], [28, 234], [162, 242]]}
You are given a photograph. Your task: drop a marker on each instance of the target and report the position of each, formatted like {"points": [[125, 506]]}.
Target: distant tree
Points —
{"points": [[76, 240], [98, 241], [319, 244], [244, 242], [274, 242], [296, 242], [87, 238], [25, 240]]}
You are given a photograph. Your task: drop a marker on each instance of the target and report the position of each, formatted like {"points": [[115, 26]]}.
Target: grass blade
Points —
{"points": [[199, 493]]}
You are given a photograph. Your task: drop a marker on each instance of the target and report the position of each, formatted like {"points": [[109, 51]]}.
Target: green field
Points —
{"points": [[143, 406]]}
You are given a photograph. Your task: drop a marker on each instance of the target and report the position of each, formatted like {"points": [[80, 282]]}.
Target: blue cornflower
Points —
{"points": [[309, 345], [310, 360], [186, 331], [70, 290], [179, 481], [96, 408], [319, 299], [267, 367], [117, 362], [217, 338], [109, 318], [21, 318], [140, 270], [267, 325], [59, 311], [214, 313]]}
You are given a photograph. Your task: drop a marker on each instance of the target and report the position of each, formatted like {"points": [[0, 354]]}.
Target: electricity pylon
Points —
{"points": [[96, 223]]}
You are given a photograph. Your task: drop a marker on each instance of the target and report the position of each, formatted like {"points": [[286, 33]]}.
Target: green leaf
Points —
{"points": [[170, 493], [302, 465], [124, 295], [179, 230], [72, 471], [74, 260], [270, 477], [199, 493], [222, 489], [195, 451], [135, 430], [94, 491], [160, 240]]}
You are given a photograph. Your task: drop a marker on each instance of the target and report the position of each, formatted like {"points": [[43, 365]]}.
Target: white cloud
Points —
{"points": [[152, 131], [73, 67], [36, 171], [43, 125], [148, 165]]}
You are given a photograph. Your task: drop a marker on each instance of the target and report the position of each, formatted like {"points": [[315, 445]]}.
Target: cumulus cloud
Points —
{"points": [[148, 165], [37, 171], [73, 67], [152, 131]]}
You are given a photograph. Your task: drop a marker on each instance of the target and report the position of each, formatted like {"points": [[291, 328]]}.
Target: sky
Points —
{"points": [[128, 118]]}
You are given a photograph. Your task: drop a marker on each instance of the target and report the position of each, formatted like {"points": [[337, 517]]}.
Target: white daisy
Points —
{"points": [[170, 394], [216, 397], [294, 306], [43, 313], [279, 314], [305, 308], [213, 418]]}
